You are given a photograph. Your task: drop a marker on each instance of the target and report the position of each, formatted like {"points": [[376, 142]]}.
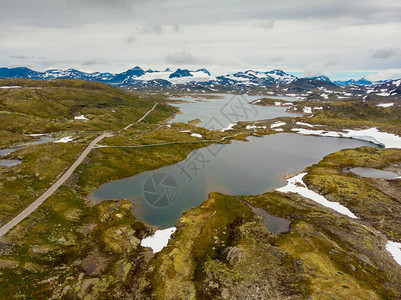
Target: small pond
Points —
{"points": [[374, 173]]}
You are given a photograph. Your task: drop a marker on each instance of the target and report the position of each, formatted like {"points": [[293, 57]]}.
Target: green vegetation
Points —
{"points": [[357, 114], [48, 106], [41, 166], [68, 236], [374, 200], [72, 248], [220, 251]]}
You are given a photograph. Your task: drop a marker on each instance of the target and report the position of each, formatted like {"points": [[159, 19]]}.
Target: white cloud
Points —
{"points": [[385, 53], [383, 75], [314, 70]]}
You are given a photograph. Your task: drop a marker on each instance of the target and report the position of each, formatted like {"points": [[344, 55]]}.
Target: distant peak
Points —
{"points": [[321, 78], [180, 73], [204, 71], [277, 71]]}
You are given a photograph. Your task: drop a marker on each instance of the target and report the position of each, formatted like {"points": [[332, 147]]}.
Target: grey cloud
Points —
{"points": [[385, 53], [150, 29], [156, 29], [183, 58], [331, 60], [53, 63], [218, 34], [76, 12], [26, 57], [20, 57], [318, 69], [130, 39], [94, 62], [314, 70], [267, 25], [277, 58]]}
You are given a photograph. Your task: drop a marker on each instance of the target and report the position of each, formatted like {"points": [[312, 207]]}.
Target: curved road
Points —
{"points": [[33, 206]]}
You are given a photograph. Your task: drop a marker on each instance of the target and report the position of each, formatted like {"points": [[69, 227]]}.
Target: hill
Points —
{"points": [[46, 106]]}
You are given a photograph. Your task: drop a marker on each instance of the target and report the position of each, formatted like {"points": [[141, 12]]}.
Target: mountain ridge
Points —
{"points": [[139, 77]]}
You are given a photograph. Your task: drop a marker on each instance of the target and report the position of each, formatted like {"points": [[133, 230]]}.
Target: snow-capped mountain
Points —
{"points": [[320, 78], [137, 76], [362, 81], [389, 88], [201, 79], [256, 78], [168, 77]]}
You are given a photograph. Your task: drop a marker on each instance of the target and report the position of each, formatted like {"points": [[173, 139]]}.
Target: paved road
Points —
{"points": [[168, 143], [31, 208], [27, 211], [144, 116]]}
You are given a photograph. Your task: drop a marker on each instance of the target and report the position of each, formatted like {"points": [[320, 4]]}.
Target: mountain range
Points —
{"points": [[138, 77]]}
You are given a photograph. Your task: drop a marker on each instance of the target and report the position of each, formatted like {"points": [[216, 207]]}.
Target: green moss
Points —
{"points": [[373, 200]]}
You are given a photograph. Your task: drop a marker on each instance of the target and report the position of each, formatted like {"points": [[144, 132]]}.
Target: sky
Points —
{"points": [[338, 38]]}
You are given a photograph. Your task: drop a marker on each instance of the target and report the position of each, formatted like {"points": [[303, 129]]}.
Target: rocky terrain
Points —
{"points": [[72, 248]]}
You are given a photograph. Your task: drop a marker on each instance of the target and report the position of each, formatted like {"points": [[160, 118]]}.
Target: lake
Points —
{"points": [[239, 168], [229, 109], [13, 162]]}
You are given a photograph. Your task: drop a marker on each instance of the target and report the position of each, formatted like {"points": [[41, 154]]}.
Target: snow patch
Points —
{"points": [[64, 140], [296, 185], [395, 250], [304, 124], [10, 87], [373, 135], [159, 240], [385, 104], [307, 110], [254, 127], [277, 124], [81, 117], [196, 135], [317, 132], [229, 127]]}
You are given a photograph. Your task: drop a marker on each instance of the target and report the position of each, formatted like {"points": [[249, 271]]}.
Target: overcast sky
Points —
{"points": [[335, 37]]}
